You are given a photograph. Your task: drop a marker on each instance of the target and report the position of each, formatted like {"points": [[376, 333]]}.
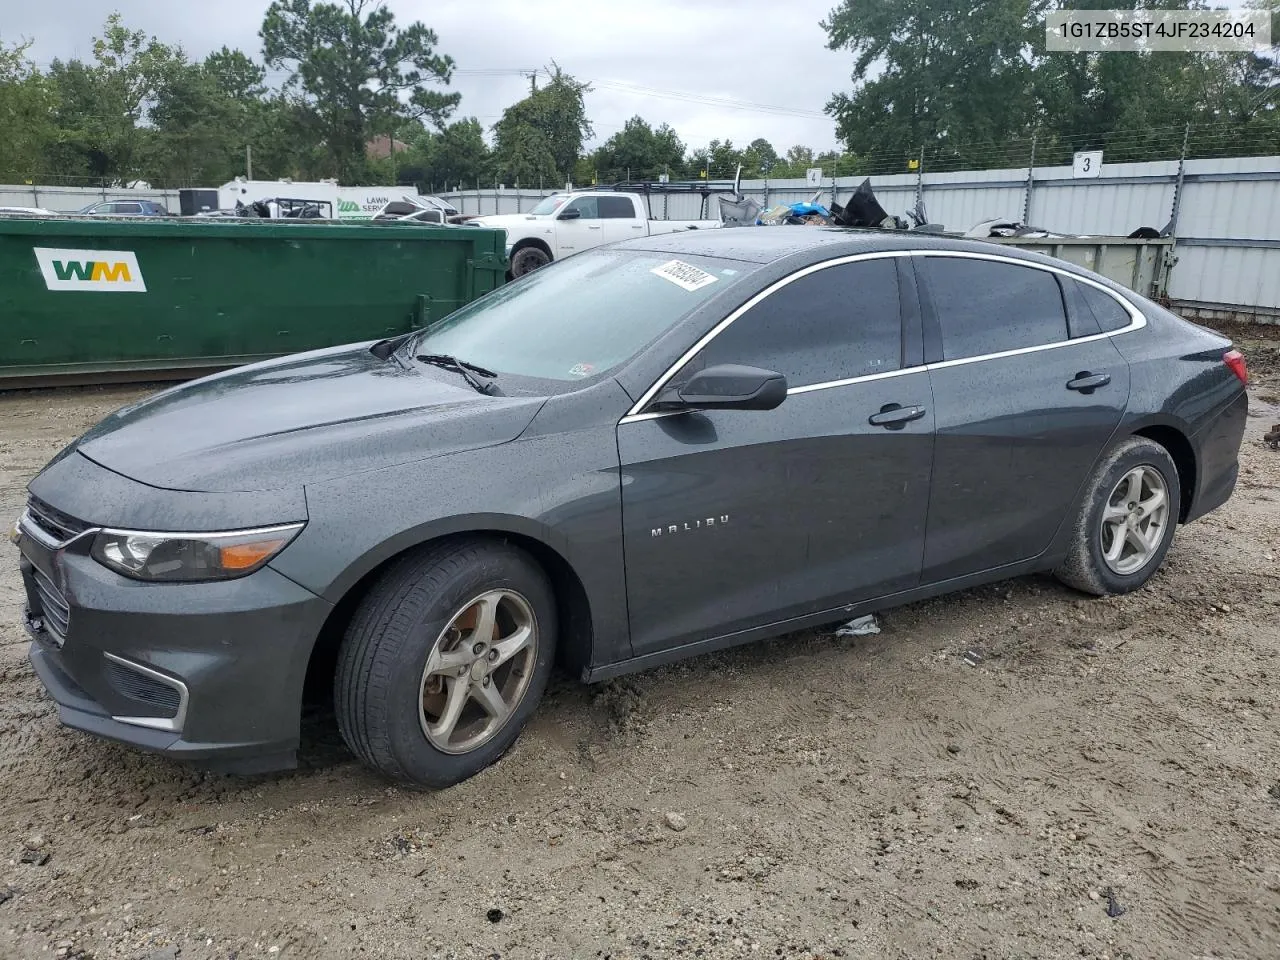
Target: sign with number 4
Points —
{"points": [[1087, 163]]}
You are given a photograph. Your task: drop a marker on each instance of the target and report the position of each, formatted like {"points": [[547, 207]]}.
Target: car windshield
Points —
{"points": [[581, 317], [548, 205]]}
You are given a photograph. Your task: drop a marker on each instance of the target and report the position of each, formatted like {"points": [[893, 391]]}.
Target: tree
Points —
{"points": [[236, 76], [934, 73], [639, 152], [102, 108], [759, 159], [25, 102], [541, 136], [358, 72], [717, 161], [459, 155]]}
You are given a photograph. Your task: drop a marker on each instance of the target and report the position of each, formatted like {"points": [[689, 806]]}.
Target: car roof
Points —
{"points": [[770, 244]]}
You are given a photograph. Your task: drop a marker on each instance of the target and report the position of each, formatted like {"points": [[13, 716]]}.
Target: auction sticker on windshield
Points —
{"points": [[684, 275]]}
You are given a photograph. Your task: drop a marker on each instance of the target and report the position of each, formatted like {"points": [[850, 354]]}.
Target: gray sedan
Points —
{"points": [[647, 451]]}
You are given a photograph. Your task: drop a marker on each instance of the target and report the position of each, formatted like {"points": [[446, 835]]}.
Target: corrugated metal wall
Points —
{"points": [[71, 199], [1228, 228]]}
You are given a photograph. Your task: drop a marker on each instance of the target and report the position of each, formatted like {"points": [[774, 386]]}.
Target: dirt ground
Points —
{"points": [[1011, 772]]}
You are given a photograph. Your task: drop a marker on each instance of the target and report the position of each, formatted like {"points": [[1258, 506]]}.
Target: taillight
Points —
{"points": [[1235, 360]]}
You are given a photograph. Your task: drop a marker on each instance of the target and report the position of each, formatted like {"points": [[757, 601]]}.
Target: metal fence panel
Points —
{"points": [[71, 199], [1228, 230]]}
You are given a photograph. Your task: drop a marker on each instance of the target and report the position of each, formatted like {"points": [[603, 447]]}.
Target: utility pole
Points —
{"points": [[248, 161], [533, 82], [1031, 181]]}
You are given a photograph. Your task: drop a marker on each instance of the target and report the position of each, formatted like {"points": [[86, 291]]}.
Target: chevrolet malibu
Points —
{"points": [[650, 450]]}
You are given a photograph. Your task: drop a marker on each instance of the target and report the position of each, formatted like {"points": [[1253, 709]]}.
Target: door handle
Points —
{"points": [[894, 416], [1087, 382], [593, 228]]}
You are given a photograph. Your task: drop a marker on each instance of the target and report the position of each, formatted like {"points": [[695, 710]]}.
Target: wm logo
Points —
{"points": [[105, 271]]}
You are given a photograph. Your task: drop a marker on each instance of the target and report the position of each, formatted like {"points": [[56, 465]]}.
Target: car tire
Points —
{"points": [[528, 259], [1133, 497], [393, 700]]}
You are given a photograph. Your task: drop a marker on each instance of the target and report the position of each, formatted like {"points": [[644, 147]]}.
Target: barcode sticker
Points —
{"points": [[684, 275]]}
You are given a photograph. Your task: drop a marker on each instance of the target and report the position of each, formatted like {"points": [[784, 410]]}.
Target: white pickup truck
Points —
{"points": [[567, 223]]}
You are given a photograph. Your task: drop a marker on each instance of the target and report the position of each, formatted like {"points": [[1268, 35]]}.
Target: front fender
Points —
{"points": [[561, 490]]}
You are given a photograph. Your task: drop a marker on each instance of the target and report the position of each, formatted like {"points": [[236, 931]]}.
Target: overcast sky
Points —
{"points": [[769, 57]]}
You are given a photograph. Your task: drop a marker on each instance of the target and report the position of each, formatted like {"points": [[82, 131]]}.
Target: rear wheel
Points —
{"points": [[528, 259], [445, 660], [1126, 522]]}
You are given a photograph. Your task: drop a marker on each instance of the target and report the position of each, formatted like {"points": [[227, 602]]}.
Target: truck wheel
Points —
{"points": [[1126, 522], [528, 259], [445, 660]]}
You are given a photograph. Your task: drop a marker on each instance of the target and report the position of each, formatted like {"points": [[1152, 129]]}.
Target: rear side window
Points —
{"points": [[833, 324], [985, 306], [616, 208], [1109, 314]]}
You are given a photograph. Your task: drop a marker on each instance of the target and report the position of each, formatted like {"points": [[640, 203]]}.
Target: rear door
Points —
{"points": [[621, 218], [735, 518], [582, 232], [1023, 409]]}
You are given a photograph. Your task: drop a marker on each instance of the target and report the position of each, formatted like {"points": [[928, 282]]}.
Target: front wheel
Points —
{"points": [[528, 259], [1126, 522], [445, 660]]}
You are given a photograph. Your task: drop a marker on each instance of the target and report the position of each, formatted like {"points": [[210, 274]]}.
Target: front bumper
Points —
{"points": [[203, 671]]}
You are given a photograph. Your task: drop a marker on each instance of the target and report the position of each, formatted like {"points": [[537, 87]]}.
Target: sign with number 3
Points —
{"points": [[1087, 163]]}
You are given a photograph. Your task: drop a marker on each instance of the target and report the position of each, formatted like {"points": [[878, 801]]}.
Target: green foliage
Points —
{"points": [[970, 85], [101, 107], [638, 152], [358, 73], [539, 139], [457, 156], [972, 90], [26, 99]]}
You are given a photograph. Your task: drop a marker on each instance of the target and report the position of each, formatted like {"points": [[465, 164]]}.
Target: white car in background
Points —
{"points": [[27, 212], [567, 223]]}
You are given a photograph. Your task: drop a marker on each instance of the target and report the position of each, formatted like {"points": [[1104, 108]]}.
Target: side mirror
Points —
{"points": [[732, 386], [573, 213]]}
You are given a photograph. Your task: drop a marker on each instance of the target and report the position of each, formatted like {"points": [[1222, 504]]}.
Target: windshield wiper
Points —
{"points": [[467, 370]]}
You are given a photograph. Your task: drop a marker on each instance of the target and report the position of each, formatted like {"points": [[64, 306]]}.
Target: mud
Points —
{"points": [[1014, 771]]}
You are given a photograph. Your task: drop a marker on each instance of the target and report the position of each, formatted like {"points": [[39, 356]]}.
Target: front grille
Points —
{"points": [[53, 606], [142, 688], [54, 522]]}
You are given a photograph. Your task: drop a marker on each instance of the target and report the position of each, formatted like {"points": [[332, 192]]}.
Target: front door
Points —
{"points": [[1018, 425], [734, 519], [582, 232]]}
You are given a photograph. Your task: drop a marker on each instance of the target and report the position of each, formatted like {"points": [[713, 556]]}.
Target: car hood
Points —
{"points": [[301, 419]]}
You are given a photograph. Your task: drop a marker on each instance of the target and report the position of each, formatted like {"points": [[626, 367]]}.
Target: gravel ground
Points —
{"points": [[1014, 771]]}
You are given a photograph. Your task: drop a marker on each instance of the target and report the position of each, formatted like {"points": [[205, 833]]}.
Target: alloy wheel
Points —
{"points": [[478, 671], [1134, 520]]}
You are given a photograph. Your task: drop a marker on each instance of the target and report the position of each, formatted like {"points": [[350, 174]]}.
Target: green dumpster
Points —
{"points": [[87, 300]]}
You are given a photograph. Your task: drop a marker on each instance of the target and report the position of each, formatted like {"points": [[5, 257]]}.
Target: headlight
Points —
{"points": [[190, 556]]}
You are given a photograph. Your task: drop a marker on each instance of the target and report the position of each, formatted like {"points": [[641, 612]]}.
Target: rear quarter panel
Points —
{"points": [[1179, 380]]}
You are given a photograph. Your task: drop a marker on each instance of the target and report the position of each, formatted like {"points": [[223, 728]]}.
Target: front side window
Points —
{"points": [[833, 324], [579, 317], [587, 207], [616, 208], [986, 306]]}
